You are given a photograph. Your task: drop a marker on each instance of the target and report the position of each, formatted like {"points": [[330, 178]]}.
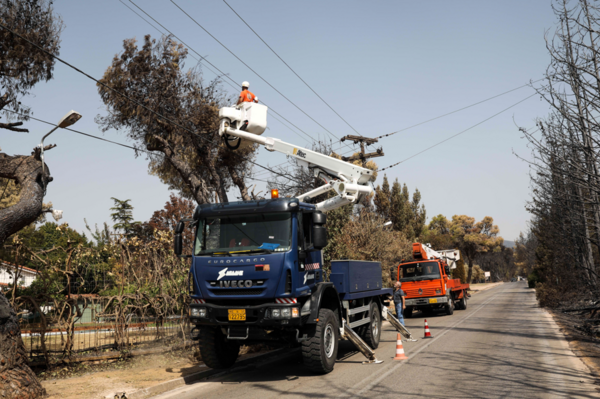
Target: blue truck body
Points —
{"points": [[257, 275]]}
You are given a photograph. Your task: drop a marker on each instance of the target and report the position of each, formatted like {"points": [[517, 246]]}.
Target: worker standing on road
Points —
{"points": [[399, 301], [246, 96]]}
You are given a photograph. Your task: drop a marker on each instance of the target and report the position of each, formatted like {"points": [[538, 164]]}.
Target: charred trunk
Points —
{"points": [[16, 378]]}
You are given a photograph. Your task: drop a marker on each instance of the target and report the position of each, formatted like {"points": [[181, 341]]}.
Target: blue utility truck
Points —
{"points": [[257, 266]]}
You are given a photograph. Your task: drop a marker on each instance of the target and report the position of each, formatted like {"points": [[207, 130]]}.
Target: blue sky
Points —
{"points": [[383, 66]]}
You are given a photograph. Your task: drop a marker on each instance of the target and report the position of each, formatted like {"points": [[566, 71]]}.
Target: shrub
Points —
{"points": [[547, 296]]}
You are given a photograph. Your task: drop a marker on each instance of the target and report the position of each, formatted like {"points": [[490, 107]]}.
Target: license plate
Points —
{"points": [[431, 300], [237, 314]]}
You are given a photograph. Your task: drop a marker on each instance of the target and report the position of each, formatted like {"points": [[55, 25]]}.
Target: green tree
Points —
{"points": [[122, 215], [407, 216], [418, 216], [382, 200], [437, 233], [474, 238]]}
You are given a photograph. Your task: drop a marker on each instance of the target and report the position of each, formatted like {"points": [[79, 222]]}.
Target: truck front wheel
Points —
{"points": [[217, 352], [408, 312], [450, 306], [319, 352]]}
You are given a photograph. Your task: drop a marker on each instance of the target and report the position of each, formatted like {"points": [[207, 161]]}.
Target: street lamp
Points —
{"points": [[66, 121]]}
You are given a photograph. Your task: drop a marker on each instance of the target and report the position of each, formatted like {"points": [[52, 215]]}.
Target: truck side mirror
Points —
{"points": [[177, 240], [319, 218], [178, 244], [447, 269], [319, 234]]}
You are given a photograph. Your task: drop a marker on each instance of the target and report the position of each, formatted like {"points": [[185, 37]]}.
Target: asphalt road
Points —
{"points": [[502, 346]]}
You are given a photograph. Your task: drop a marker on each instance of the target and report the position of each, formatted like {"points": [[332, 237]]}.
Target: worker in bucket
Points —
{"points": [[399, 301], [246, 96]]}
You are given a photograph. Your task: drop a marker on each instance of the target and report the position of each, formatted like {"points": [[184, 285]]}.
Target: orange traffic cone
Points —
{"points": [[399, 349], [427, 333]]}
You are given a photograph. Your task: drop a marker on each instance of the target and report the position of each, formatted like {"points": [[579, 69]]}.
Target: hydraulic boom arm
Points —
{"points": [[349, 181]]}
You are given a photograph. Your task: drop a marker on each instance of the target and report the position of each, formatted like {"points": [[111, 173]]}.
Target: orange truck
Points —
{"points": [[427, 281]]}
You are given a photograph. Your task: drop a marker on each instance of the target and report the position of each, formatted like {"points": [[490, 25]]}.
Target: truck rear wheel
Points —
{"points": [[319, 352], [462, 304], [372, 332], [217, 352]]}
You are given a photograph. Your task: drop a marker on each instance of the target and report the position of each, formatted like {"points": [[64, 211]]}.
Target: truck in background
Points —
{"points": [[427, 281]]}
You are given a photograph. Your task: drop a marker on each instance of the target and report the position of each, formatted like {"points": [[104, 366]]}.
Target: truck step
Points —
{"points": [[359, 322], [359, 310]]}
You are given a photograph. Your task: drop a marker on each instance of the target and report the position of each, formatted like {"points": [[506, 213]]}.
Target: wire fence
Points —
{"points": [[50, 336]]}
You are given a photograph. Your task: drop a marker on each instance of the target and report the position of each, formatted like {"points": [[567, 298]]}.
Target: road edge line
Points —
{"points": [[170, 385]]}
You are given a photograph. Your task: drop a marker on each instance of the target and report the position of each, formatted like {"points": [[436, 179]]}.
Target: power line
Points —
{"points": [[125, 96], [222, 74], [249, 67], [457, 134], [133, 148], [460, 109], [82, 133], [104, 85], [290, 68]]}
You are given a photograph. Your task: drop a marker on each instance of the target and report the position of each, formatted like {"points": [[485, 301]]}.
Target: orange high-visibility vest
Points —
{"points": [[247, 96]]}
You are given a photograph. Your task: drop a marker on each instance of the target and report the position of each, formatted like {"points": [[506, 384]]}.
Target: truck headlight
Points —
{"points": [[439, 292], [275, 313], [198, 312], [286, 313]]}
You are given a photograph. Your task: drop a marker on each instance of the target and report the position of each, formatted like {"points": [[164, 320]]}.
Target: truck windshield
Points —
{"points": [[241, 234], [419, 271]]}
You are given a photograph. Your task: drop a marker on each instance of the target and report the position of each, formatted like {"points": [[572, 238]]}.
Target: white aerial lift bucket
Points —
{"points": [[236, 117]]}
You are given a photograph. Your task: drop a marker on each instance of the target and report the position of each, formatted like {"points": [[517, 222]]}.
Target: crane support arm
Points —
{"points": [[349, 181]]}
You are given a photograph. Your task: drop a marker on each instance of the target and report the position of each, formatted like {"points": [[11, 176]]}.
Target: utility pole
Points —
{"points": [[362, 156]]}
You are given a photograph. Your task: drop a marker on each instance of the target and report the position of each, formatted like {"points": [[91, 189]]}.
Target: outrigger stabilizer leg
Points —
{"points": [[361, 345], [397, 325]]}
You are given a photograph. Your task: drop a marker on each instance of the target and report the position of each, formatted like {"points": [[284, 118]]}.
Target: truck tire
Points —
{"points": [[216, 351], [450, 306], [462, 304], [319, 351], [372, 332], [408, 312]]}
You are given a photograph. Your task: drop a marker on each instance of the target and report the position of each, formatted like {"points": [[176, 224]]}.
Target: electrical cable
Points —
{"points": [[458, 110], [104, 85], [290, 68], [82, 133], [248, 66], [125, 96], [133, 148], [457, 134], [223, 74]]}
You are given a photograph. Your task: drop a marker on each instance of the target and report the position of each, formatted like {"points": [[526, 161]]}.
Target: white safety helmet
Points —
{"points": [[245, 84]]}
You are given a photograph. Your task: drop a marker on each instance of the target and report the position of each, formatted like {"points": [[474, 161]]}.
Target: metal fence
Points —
{"points": [[89, 334]]}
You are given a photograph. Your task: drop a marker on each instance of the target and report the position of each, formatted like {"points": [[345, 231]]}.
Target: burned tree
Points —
{"points": [[22, 65], [177, 121], [565, 171]]}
